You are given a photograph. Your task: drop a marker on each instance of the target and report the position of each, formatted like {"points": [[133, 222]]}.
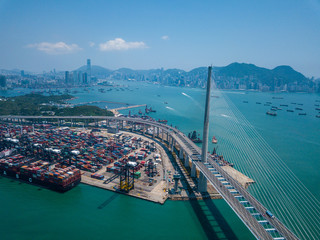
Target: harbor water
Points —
{"points": [[30, 212]]}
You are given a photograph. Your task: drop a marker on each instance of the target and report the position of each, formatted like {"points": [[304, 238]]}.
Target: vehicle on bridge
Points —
{"points": [[269, 214]]}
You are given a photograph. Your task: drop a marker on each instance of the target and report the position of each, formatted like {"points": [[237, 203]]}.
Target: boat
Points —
{"points": [[245, 101], [302, 114], [165, 102], [162, 121], [318, 109], [258, 102], [55, 177], [194, 136], [299, 108], [289, 110], [271, 113], [284, 105], [318, 116], [214, 140], [151, 110], [140, 112]]}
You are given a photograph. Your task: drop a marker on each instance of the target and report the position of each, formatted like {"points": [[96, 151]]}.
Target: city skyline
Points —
{"points": [[144, 35]]}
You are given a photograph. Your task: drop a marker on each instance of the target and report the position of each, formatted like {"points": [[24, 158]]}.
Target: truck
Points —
{"points": [[269, 214]]}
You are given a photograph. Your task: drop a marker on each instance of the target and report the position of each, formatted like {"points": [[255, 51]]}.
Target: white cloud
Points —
{"points": [[55, 48], [120, 44], [91, 44], [165, 37]]}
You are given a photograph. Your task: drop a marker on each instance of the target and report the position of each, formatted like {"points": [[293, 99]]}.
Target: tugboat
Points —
{"points": [[214, 140], [271, 113]]}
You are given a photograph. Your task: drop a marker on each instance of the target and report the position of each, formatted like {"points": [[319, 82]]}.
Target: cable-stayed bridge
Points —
{"points": [[254, 215]]}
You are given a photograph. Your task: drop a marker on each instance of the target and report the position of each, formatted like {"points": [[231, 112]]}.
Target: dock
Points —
{"points": [[116, 110]]}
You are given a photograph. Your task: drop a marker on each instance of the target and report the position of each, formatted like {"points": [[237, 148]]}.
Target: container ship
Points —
{"points": [[56, 177]]}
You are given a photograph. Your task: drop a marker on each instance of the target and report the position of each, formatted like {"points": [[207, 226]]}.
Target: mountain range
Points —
{"points": [[233, 76]]}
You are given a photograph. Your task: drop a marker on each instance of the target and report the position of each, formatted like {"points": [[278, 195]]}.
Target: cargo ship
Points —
{"points": [[56, 177], [271, 113]]}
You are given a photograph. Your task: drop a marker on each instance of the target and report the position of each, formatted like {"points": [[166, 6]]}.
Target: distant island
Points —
{"points": [[40, 105], [235, 76]]}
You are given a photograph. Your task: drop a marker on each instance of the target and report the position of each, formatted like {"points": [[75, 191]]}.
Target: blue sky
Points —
{"points": [[41, 35]]}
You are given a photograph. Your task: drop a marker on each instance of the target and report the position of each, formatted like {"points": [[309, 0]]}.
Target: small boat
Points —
{"points": [[162, 121], [289, 110], [284, 105], [214, 140], [271, 113], [165, 102], [318, 116], [245, 101], [318, 109], [299, 108], [302, 114], [151, 110], [258, 102]]}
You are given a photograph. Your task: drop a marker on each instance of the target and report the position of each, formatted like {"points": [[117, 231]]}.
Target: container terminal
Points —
{"points": [[59, 157]]}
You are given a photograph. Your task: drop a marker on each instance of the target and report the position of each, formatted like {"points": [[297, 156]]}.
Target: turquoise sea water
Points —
{"points": [[87, 212]]}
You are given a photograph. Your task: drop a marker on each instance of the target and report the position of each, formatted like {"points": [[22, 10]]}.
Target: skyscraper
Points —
{"points": [[89, 71], [67, 77]]}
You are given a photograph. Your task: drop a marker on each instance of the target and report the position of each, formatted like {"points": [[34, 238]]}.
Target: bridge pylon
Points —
{"points": [[202, 183]]}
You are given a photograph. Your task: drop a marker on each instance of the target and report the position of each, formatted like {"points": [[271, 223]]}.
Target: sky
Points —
{"points": [[39, 35]]}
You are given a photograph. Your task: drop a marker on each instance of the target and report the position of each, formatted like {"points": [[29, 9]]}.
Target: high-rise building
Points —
{"points": [[3, 82], [75, 78], [85, 78], [89, 71], [66, 78]]}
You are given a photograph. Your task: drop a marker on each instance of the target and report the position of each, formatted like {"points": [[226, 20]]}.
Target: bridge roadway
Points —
{"points": [[229, 189]]}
